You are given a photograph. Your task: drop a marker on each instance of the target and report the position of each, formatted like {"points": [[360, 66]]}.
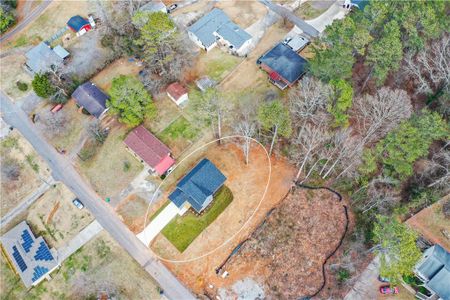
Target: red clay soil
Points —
{"points": [[285, 255], [247, 184]]}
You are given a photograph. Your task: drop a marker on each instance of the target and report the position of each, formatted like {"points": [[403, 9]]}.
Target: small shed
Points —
{"points": [[204, 83], [91, 98], [79, 25], [177, 93]]}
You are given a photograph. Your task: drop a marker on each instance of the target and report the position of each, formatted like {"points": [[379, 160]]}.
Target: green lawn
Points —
{"points": [[178, 135], [217, 64], [183, 230]]}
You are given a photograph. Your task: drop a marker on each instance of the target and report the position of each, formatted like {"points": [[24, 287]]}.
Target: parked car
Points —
{"points": [[387, 290], [383, 279], [78, 203], [172, 8]]}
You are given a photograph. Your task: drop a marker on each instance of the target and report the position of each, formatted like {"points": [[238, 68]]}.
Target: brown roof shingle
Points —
{"points": [[146, 146], [176, 90]]}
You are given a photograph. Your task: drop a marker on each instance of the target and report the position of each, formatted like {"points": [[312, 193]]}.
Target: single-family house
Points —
{"points": [[216, 27], [79, 25], [197, 188], [434, 270], [154, 6], [91, 98], [28, 255], [284, 65], [42, 58], [177, 93], [149, 150]]}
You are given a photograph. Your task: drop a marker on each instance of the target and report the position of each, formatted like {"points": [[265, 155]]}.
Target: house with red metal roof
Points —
{"points": [[177, 93], [149, 150], [79, 25]]}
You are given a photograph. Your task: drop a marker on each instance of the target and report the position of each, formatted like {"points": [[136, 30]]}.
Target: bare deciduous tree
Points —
{"points": [[10, 169], [437, 171], [377, 115], [53, 124], [97, 132], [246, 121], [431, 66], [382, 195]]}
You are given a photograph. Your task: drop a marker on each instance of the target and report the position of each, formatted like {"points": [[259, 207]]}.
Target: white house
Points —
{"points": [[216, 27]]}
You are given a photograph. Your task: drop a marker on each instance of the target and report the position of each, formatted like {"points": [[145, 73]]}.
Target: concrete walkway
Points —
{"points": [[27, 201], [367, 285], [79, 240], [155, 226]]}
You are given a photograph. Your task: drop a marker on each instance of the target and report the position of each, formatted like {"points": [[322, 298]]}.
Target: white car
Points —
{"points": [[78, 203]]}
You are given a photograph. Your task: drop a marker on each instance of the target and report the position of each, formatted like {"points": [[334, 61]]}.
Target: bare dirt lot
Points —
{"points": [[290, 247], [101, 266], [431, 223], [247, 184], [132, 212], [56, 218], [16, 149]]}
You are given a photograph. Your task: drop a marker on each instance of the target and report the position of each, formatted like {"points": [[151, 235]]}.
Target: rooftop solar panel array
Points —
{"points": [[43, 253], [27, 241], [39, 272], [19, 259]]}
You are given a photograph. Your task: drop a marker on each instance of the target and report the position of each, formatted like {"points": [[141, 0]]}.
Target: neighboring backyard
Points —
{"points": [[22, 171], [179, 135], [216, 64], [183, 230], [312, 9], [101, 267]]}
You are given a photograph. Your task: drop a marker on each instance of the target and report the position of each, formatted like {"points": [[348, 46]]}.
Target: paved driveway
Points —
{"points": [[158, 223]]}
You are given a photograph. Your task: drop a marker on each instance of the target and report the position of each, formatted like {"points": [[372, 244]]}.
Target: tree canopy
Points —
{"points": [[341, 101], [130, 101], [397, 248], [6, 19], [42, 85], [274, 116], [411, 140]]}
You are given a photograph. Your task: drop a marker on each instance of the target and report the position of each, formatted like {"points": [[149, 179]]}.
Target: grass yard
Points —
{"points": [[311, 10], [167, 112], [106, 170], [11, 71], [183, 230], [216, 64], [178, 135]]}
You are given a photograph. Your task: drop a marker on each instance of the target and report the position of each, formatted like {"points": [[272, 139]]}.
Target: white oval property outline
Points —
{"points": [[242, 227]]}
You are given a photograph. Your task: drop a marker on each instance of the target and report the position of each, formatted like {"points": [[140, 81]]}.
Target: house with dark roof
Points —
{"points": [[216, 27], [41, 58], [197, 188], [434, 270], [91, 98], [30, 257], [284, 65], [177, 93], [149, 150], [79, 25]]}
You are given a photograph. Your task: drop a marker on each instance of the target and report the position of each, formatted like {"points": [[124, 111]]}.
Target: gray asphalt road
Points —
{"points": [[27, 20], [64, 171], [284, 12]]}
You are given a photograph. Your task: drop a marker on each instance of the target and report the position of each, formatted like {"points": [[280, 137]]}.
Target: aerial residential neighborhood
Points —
{"points": [[161, 149]]}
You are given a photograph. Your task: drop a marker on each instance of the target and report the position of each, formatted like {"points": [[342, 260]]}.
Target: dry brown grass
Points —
{"points": [[14, 192], [122, 66], [56, 218], [11, 71], [243, 13]]}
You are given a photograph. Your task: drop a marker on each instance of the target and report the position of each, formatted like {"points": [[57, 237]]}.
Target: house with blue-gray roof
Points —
{"points": [[197, 188], [434, 271], [216, 27], [30, 256]]}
